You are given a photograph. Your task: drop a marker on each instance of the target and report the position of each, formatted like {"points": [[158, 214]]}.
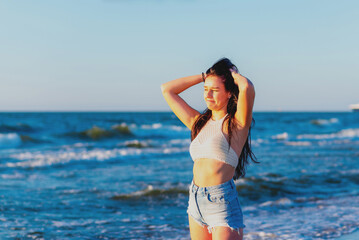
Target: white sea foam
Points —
{"points": [[298, 143], [123, 124], [151, 143], [73, 223], [322, 219], [82, 144], [152, 126], [71, 191], [12, 176], [173, 150], [281, 201], [260, 235], [156, 126], [333, 142], [62, 156], [9, 140], [345, 133], [259, 141], [137, 143], [77, 145], [148, 189], [179, 128], [324, 121], [186, 141], [281, 136]]}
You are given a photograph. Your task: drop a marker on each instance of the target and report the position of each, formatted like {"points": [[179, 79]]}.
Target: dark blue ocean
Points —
{"points": [[125, 175]]}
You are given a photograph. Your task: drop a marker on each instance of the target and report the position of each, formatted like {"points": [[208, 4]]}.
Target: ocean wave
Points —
{"points": [[78, 145], [186, 141], [66, 155], [25, 139], [19, 127], [16, 175], [246, 192], [156, 131], [152, 126], [151, 143], [298, 143], [10, 140], [281, 136], [345, 133], [332, 217], [324, 121], [150, 191], [281, 201], [262, 235], [276, 186], [137, 144], [254, 187], [14, 140], [259, 141], [160, 126], [122, 128], [76, 223], [269, 190], [97, 133]]}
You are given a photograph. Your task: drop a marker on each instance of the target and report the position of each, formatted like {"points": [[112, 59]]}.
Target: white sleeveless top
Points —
{"points": [[212, 144]]}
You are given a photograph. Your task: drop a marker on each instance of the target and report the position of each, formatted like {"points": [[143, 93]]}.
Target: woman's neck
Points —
{"points": [[216, 115]]}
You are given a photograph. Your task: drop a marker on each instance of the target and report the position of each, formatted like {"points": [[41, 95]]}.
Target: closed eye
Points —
{"points": [[213, 89]]}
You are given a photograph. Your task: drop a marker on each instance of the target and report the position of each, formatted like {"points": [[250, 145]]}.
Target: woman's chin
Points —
{"points": [[211, 107]]}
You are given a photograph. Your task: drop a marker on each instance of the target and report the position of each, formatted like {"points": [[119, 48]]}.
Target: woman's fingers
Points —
{"points": [[235, 74]]}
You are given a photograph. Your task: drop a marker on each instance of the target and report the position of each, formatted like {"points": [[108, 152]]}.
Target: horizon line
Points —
{"points": [[149, 111]]}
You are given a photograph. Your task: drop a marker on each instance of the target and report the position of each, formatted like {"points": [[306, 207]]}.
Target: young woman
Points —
{"points": [[220, 147]]}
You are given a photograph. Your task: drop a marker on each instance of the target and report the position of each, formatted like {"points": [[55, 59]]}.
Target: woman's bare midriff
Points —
{"points": [[211, 172]]}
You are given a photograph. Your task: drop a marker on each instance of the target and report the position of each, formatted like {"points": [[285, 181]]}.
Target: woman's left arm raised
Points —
{"points": [[245, 99]]}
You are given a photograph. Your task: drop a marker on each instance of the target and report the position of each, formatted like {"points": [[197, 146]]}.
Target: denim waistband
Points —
{"points": [[229, 185]]}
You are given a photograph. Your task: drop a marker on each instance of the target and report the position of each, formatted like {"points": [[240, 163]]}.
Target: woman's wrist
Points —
{"points": [[203, 76]]}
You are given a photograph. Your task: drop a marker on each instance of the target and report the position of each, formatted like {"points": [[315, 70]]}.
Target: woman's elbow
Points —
{"points": [[163, 87]]}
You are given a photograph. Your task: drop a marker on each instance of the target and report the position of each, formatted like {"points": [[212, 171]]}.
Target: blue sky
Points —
{"points": [[113, 55]]}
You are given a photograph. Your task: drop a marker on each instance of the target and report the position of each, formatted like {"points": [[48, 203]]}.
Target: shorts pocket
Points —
{"points": [[219, 198]]}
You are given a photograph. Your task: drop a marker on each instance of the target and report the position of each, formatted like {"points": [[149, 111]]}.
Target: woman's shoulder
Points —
{"points": [[237, 128]]}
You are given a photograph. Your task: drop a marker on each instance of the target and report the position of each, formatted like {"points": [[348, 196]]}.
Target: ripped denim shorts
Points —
{"points": [[216, 206]]}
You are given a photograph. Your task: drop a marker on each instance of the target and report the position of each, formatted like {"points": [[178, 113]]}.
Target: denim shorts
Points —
{"points": [[216, 206]]}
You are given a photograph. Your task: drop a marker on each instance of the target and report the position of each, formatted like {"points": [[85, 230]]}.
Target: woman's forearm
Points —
{"points": [[179, 85], [245, 99]]}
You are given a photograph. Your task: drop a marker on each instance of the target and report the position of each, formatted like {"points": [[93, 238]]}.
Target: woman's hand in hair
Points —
{"points": [[239, 80]]}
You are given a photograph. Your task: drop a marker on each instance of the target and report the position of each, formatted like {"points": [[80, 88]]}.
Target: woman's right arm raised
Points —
{"points": [[170, 91]]}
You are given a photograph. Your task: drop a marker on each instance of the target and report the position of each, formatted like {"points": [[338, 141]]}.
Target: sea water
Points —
{"points": [[125, 175]]}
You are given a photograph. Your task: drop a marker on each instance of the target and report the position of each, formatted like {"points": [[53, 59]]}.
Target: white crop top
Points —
{"points": [[212, 144]]}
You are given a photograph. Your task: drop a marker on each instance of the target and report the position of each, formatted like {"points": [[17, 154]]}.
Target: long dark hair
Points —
{"points": [[222, 70]]}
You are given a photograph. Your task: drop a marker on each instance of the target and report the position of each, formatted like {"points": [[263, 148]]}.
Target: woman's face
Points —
{"points": [[215, 93]]}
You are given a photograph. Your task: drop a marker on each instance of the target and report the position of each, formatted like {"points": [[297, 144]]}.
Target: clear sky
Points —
{"points": [[113, 55]]}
